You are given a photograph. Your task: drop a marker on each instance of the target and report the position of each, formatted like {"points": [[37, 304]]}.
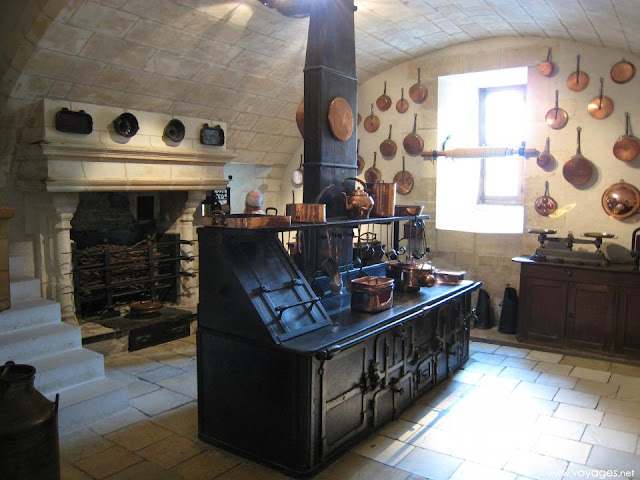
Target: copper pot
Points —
{"points": [[371, 294], [410, 275], [384, 195]]}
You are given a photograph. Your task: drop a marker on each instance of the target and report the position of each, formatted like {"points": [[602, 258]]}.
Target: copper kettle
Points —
{"points": [[358, 203]]}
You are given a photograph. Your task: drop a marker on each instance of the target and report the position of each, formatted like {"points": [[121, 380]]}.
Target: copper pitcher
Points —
{"points": [[384, 195]]}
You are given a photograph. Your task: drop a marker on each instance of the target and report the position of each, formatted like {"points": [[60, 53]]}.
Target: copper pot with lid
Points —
{"points": [[384, 195], [410, 275]]}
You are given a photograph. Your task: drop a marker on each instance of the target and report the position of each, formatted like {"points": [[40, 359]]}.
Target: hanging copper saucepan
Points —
{"points": [[627, 146], [557, 117], [601, 106], [388, 147], [621, 200], [578, 169], [373, 175], [623, 71], [418, 92], [413, 143], [578, 80], [402, 105], [359, 160], [546, 68], [359, 119], [371, 123], [545, 205], [403, 181], [545, 159], [384, 102], [300, 117]]}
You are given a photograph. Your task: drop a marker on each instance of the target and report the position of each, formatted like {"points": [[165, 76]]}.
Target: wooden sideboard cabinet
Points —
{"points": [[580, 308]]}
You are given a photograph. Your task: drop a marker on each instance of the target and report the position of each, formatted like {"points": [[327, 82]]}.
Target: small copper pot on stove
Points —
{"points": [[358, 203], [410, 275]]}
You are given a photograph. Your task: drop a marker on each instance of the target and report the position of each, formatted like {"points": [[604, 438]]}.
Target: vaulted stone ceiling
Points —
{"points": [[240, 62]]}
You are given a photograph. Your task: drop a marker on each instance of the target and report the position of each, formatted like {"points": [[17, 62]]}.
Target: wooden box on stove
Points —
{"points": [[580, 307]]}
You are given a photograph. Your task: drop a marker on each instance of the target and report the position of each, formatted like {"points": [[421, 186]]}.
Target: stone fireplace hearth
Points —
{"points": [[57, 167]]}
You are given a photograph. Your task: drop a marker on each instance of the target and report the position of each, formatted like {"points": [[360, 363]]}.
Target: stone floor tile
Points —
{"points": [[179, 361], [106, 463], [82, 443], [122, 377], [382, 449], [480, 333], [575, 470], [428, 464], [140, 387], [351, 466], [560, 427], [159, 401], [115, 422], [191, 339], [590, 374], [131, 364], [423, 415], [488, 368], [441, 399], [554, 368], [208, 464], [607, 437], [182, 420], [535, 466], [537, 390], [513, 351], [171, 451], [497, 384], [519, 374], [579, 399], [145, 471], [610, 459], [436, 439], [539, 406], [562, 448], [401, 430], [251, 471], [621, 423], [476, 471], [483, 347], [488, 357], [484, 447], [622, 369], [519, 363], [544, 356], [158, 374], [139, 435], [186, 384], [585, 362], [629, 392], [465, 376], [619, 407], [556, 380], [193, 368], [578, 414], [71, 472], [596, 388]]}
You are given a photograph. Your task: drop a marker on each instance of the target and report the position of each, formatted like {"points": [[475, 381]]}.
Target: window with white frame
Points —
{"points": [[481, 109]]}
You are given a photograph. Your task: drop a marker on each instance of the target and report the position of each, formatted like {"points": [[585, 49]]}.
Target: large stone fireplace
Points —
{"points": [[162, 183]]}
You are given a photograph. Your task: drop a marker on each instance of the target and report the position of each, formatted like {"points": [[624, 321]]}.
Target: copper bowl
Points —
{"points": [[408, 210]]}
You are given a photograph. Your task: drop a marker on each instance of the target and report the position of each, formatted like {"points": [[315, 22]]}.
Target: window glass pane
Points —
{"points": [[502, 175], [504, 117]]}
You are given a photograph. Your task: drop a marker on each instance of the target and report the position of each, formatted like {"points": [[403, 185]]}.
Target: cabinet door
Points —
{"points": [[628, 328], [590, 316], [544, 310]]}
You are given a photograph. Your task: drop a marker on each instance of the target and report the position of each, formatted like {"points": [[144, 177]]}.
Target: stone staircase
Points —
{"points": [[32, 332]]}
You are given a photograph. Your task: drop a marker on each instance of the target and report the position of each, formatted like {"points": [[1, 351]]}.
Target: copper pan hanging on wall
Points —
{"points": [[627, 147], [578, 80], [546, 68], [359, 159], [403, 181], [371, 123], [402, 105], [418, 92], [373, 175], [545, 159], [557, 117], [545, 205], [384, 102], [621, 200], [388, 147], [578, 169], [413, 143], [600, 107], [622, 72]]}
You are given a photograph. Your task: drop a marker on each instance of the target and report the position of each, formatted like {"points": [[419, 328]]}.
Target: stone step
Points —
{"points": [[63, 370], [16, 266], [29, 314], [24, 288], [89, 402], [27, 344]]}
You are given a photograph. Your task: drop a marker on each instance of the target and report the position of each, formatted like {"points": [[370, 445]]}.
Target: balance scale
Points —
{"points": [[560, 249]]}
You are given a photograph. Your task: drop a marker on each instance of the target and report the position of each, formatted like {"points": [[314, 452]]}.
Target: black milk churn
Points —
{"points": [[28, 427]]}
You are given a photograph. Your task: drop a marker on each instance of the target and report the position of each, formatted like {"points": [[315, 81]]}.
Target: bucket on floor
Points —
{"points": [[5, 295], [509, 314], [29, 446]]}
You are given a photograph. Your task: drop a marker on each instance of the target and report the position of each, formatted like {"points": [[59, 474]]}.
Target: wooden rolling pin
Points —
{"points": [[481, 152]]}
